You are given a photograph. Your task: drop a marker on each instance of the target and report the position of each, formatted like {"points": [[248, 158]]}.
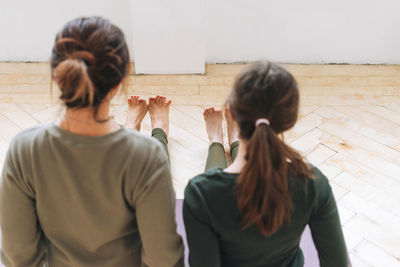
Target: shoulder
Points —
{"points": [[208, 178], [198, 190], [143, 146], [319, 184], [28, 137], [210, 183], [18, 158], [140, 140], [31, 133], [309, 193], [311, 185], [143, 161], [318, 179]]}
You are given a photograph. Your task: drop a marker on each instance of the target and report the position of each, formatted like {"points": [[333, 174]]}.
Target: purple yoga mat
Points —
{"points": [[306, 243]]}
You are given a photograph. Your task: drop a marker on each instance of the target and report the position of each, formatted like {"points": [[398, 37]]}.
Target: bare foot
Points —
{"points": [[232, 127], [159, 112], [213, 119], [136, 112]]}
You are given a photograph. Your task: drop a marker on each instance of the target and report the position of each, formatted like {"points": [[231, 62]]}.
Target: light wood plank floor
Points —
{"points": [[349, 127]]}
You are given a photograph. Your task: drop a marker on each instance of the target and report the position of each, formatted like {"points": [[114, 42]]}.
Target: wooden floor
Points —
{"points": [[349, 128]]}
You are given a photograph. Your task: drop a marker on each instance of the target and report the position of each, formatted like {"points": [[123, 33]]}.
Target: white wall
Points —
{"points": [[28, 27], [303, 31], [298, 31], [168, 36]]}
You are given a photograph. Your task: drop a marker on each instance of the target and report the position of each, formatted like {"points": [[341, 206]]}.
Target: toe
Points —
{"points": [[163, 99]]}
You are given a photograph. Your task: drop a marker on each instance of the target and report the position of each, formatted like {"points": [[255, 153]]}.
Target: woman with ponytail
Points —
{"points": [[85, 191], [253, 212]]}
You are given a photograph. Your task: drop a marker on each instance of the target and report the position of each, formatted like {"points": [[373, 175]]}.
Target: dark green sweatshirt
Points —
{"points": [[215, 236]]}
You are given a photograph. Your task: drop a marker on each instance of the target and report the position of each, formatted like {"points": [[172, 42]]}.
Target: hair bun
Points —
{"points": [[89, 58], [86, 56], [74, 82]]}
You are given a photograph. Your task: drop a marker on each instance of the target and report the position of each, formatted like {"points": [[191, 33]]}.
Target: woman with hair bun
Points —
{"points": [[253, 212], [85, 191]]}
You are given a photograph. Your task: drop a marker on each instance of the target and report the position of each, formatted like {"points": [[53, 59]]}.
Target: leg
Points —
{"points": [[137, 109], [159, 116], [233, 133], [161, 136], [216, 157], [234, 150], [216, 152]]}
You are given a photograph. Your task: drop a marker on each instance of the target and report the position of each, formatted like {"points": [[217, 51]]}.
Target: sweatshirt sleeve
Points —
{"points": [[154, 203], [22, 239], [202, 240], [325, 226]]}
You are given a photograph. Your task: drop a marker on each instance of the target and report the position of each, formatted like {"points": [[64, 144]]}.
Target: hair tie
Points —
{"points": [[262, 121]]}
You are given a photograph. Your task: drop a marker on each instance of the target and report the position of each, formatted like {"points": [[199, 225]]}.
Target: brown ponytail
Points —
{"points": [[90, 57], [265, 90]]}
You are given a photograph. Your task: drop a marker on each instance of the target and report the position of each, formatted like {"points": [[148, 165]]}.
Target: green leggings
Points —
{"points": [[161, 136], [216, 152], [216, 155]]}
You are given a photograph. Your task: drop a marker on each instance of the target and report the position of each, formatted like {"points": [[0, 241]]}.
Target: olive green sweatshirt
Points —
{"points": [[70, 200]]}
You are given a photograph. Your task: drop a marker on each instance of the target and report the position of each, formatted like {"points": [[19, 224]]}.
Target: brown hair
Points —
{"points": [[89, 58], [266, 90]]}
